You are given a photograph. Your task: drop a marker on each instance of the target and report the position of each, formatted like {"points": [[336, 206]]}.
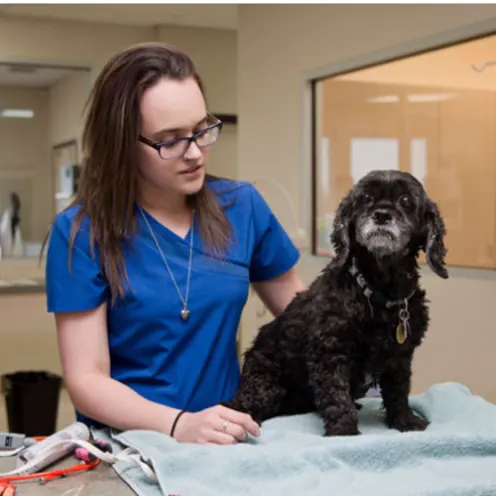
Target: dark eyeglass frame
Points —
{"points": [[189, 139]]}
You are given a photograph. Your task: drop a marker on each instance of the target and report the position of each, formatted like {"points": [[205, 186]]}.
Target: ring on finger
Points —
{"points": [[224, 426]]}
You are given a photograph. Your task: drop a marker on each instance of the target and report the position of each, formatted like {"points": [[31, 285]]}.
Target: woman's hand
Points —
{"points": [[215, 425]]}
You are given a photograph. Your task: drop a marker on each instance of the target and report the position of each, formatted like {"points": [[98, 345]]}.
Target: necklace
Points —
{"points": [[184, 312]]}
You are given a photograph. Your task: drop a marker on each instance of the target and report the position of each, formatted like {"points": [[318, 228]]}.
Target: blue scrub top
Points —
{"points": [[191, 364]]}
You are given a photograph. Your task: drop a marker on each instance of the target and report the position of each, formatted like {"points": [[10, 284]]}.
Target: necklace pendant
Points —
{"points": [[184, 314]]}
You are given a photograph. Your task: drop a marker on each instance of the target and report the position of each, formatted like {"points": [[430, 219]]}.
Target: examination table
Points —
{"points": [[101, 481]]}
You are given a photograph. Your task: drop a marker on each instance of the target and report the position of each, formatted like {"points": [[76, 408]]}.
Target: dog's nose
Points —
{"points": [[382, 217]]}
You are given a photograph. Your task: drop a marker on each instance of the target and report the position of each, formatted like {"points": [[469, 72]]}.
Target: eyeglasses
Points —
{"points": [[176, 148]]}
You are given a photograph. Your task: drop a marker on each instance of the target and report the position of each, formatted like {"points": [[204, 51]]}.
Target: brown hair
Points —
{"points": [[107, 188]]}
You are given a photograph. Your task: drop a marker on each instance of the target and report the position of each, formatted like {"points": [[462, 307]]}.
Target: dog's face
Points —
{"points": [[389, 213], [386, 213]]}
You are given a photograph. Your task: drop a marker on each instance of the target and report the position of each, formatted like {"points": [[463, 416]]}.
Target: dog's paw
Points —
{"points": [[407, 422], [342, 429]]}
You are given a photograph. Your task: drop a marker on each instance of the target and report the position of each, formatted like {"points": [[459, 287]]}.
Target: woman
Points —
{"points": [[148, 272]]}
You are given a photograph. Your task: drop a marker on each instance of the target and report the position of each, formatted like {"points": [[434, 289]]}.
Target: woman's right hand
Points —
{"points": [[215, 425]]}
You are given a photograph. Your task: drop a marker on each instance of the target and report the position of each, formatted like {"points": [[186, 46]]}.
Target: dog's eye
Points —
{"points": [[367, 198], [405, 201]]}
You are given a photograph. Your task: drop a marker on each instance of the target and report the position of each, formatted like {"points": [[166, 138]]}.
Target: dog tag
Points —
{"points": [[401, 332]]}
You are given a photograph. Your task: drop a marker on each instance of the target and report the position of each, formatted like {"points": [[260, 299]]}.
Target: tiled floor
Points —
{"points": [[65, 416]]}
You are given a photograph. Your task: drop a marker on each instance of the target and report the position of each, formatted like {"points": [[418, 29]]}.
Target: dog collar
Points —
{"points": [[376, 297]]}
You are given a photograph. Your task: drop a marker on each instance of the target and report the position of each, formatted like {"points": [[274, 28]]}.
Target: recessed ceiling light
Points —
{"points": [[17, 113], [431, 97], [384, 99]]}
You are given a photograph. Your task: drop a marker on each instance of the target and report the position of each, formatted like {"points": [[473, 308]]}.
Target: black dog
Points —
{"points": [[361, 319]]}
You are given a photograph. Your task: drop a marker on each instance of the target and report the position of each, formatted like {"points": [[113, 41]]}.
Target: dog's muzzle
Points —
{"points": [[381, 232]]}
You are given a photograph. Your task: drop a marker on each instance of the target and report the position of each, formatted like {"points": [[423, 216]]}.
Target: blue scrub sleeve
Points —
{"points": [[80, 287], [274, 252]]}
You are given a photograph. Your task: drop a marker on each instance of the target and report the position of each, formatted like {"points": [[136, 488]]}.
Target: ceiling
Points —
{"points": [[30, 76], [218, 16]]}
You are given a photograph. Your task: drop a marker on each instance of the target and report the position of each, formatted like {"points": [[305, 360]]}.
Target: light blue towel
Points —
{"points": [[455, 456]]}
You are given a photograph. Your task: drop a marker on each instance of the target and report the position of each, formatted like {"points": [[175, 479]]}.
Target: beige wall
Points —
{"points": [[24, 159], [214, 52], [277, 44], [67, 99]]}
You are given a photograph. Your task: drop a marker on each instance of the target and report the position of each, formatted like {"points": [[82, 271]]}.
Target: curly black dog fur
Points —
{"points": [[318, 354]]}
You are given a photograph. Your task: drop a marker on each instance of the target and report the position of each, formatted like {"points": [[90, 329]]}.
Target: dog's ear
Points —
{"points": [[433, 244], [341, 231]]}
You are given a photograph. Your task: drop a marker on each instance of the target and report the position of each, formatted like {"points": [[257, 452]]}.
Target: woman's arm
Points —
{"points": [[83, 348], [277, 293]]}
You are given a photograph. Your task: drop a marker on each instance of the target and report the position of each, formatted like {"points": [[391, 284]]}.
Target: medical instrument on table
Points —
{"points": [[13, 444], [73, 439], [11, 441], [84, 455], [76, 430]]}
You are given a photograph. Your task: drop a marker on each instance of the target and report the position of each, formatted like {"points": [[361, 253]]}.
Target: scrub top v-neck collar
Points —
{"points": [[163, 231]]}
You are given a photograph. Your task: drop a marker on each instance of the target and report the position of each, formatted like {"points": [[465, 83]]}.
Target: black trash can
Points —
{"points": [[32, 401]]}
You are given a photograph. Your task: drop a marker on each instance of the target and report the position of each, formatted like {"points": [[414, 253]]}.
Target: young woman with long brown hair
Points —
{"points": [[149, 270]]}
